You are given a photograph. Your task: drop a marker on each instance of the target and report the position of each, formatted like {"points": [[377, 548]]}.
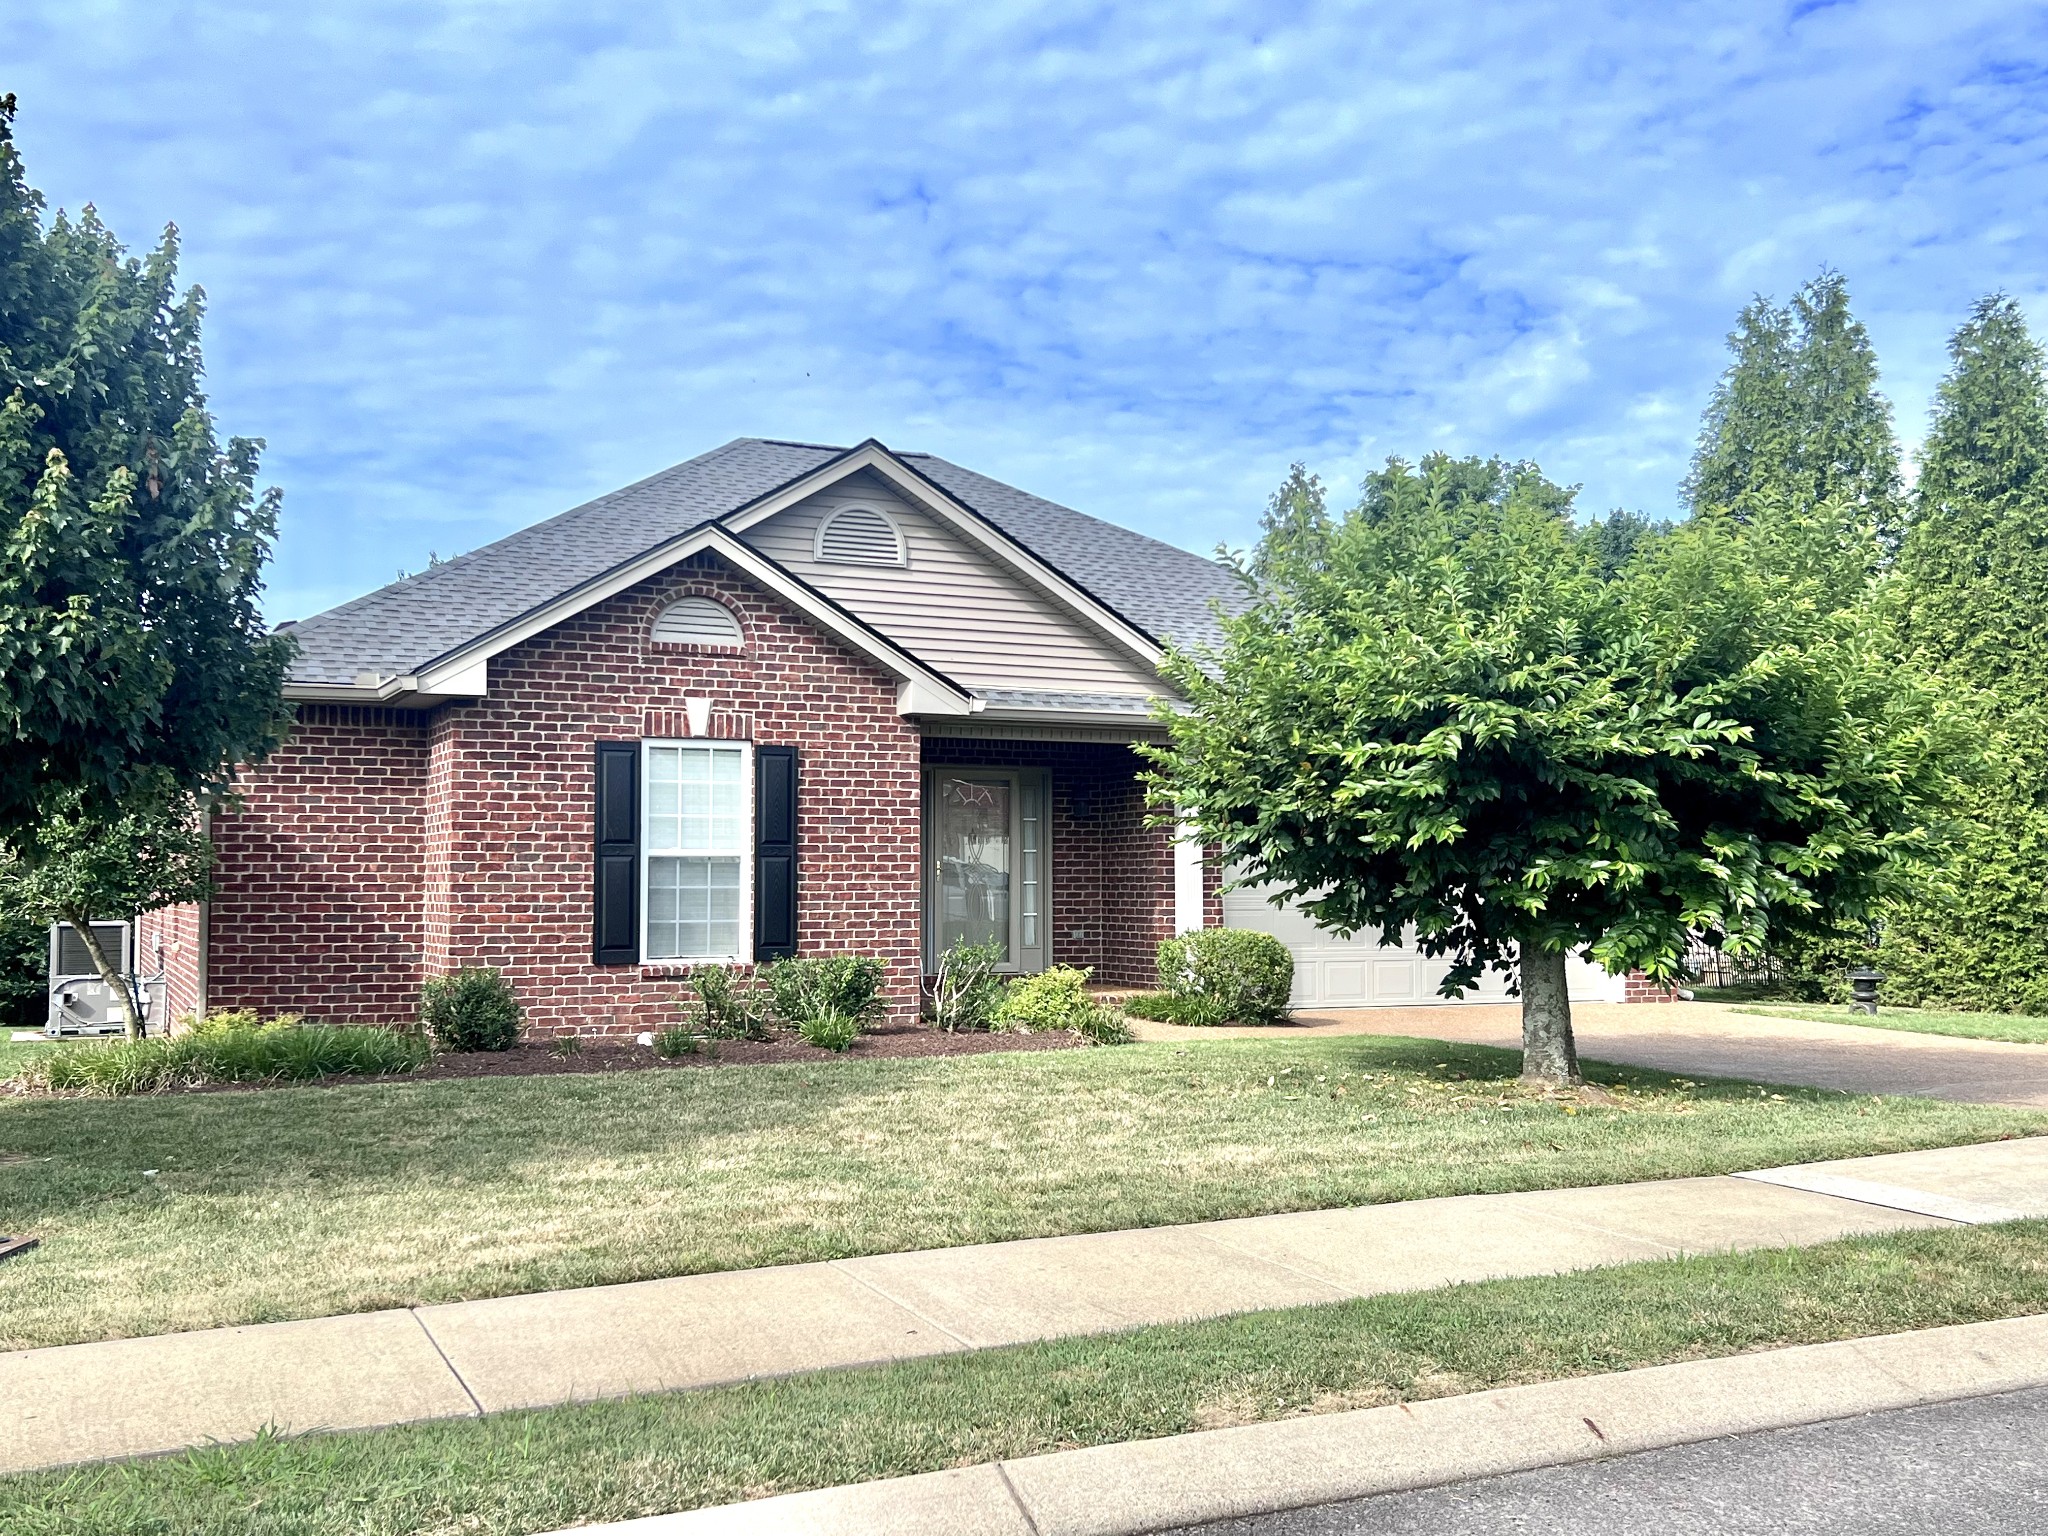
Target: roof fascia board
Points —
{"points": [[437, 675], [963, 519]]}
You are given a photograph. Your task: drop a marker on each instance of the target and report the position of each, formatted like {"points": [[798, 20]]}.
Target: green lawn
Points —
{"points": [[2019, 1028], [523, 1472], [193, 1210], [17, 1054]]}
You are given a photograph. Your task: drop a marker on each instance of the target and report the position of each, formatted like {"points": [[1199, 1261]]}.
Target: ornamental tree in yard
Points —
{"points": [[85, 865], [1435, 712], [135, 670]]}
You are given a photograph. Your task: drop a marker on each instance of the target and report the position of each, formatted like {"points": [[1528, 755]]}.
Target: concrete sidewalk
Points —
{"points": [[1181, 1481], [87, 1402], [1710, 1040]]}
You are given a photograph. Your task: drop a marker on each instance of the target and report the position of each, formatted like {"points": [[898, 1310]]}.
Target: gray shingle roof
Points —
{"points": [[398, 629]]}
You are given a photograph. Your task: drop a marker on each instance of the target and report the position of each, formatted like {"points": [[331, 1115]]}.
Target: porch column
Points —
{"points": [[1187, 881]]}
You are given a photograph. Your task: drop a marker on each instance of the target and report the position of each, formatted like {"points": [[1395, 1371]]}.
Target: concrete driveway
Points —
{"points": [[1714, 1040]]}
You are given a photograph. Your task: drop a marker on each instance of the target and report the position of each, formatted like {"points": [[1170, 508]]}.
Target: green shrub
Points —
{"points": [[730, 1004], [832, 1030], [672, 1043], [1163, 1006], [472, 1009], [837, 987], [1104, 1024], [1227, 975], [965, 987], [24, 972], [1056, 998], [228, 1055], [229, 1020]]}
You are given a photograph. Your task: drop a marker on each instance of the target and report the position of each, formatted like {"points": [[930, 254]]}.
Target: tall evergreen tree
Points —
{"points": [[1746, 438], [1973, 581], [1798, 414]]}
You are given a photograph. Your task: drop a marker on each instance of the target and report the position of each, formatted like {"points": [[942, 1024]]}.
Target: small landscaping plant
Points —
{"points": [[965, 987], [277, 1051], [1163, 1006], [672, 1043], [835, 987], [1226, 976], [829, 1029], [1057, 999], [1105, 1024], [226, 1020], [731, 1004], [472, 1009]]}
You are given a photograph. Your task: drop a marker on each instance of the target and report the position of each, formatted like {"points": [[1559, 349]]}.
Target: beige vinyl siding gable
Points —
{"points": [[951, 605]]}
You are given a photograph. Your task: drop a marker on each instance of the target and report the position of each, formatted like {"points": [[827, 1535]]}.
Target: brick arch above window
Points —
{"points": [[695, 620]]}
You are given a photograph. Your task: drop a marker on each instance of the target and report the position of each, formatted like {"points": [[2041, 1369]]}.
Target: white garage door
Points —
{"points": [[1361, 972]]}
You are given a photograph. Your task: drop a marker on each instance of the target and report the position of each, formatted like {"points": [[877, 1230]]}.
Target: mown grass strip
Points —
{"points": [[192, 1211], [523, 1472], [2013, 1028]]}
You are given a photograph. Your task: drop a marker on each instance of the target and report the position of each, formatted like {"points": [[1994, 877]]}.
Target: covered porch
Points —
{"points": [[1037, 841]]}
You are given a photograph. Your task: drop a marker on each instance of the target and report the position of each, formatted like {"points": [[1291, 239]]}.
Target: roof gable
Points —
{"points": [[979, 620], [1133, 588]]}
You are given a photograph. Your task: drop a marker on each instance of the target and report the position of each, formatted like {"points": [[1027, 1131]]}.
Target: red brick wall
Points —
{"points": [[390, 853], [1638, 988], [317, 907], [1112, 876], [168, 941]]}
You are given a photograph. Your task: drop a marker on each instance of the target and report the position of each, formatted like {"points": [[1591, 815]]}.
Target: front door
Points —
{"points": [[985, 863]]}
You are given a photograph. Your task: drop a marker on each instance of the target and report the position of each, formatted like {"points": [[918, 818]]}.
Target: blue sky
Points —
{"points": [[471, 263]]}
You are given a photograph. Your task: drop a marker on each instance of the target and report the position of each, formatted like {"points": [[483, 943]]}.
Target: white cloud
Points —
{"points": [[472, 263]]}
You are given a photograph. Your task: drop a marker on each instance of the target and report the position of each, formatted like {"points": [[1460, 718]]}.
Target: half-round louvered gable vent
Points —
{"points": [[697, 621], [860, 536]]}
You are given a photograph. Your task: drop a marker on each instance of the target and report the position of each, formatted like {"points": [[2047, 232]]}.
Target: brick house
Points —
{"points": [[779, 699]]}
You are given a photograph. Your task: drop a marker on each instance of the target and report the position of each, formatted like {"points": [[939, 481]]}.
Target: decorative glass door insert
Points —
{"points": [[985, 855], [972, 848]]}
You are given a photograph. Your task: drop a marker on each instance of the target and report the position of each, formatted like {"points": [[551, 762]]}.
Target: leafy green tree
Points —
{"points": [[135, 670], [1972, 592], [1295, 527], [1616, 538], [82, 864], [1452, 721], [1798, 414]]}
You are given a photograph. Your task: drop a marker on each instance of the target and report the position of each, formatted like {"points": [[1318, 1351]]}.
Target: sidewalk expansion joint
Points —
{"points": [[1016, 1498], [415, 1313], [1891, 1197], [898, 1302], [1342, 1292]]}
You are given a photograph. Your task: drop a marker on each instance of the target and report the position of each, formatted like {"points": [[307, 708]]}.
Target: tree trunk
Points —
{"points": [[1549, 1056], [131, 1012]]}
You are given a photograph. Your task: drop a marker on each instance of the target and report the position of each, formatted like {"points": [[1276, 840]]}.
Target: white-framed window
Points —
{"points": [[697, 850], [860, 536]]}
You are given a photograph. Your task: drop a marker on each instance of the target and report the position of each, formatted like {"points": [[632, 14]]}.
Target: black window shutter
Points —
{"points": [[615, 900], [774, 853]]}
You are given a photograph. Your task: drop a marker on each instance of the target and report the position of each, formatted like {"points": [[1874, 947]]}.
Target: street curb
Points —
{"points": [[1155, 1485]]}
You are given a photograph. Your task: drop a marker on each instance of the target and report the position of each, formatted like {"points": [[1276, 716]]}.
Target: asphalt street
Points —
{"points": [[1969, 1468]]}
